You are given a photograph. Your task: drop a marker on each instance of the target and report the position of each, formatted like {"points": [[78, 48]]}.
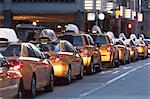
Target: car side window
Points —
{"points": [[31, 52], [89, 40], [86, 41], [71, 46], [67, 47]]}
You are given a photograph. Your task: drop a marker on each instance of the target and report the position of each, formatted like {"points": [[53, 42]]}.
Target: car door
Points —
{"points": [[71, 57], [77, 57], [93, 50], [42, 68], [34, 62]]}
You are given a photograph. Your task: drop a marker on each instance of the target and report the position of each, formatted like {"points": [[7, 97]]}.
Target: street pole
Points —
{"points": [[119, 25], [96, 14]]}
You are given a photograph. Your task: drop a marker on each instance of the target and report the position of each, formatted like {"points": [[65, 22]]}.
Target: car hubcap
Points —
{"points": [[33, 87], [82, 71], [52, 80], [92, 68], [69, 75]]}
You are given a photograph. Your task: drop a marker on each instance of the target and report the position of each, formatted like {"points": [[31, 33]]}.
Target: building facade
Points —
{"points": [[61, 12], [146, 10]]}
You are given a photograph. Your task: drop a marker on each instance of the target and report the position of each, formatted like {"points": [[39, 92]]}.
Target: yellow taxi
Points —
{"points": [[86, 47], [35, 70], [9, 80], [132, 48], [66, 60], [124, 53], [142, 48], [147, 42], [109, 53]]}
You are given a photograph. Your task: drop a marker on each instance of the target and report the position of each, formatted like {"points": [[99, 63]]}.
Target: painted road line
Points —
{"points": [[115, 72], [111, 81], [105, 72], [129, 67]]}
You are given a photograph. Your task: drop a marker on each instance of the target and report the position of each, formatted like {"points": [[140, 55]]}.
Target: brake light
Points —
{"points": [[56, 58], [109, 49], [17, 65], [85, 51]]}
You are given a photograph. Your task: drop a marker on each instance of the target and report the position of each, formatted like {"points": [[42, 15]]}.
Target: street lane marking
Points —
{"points": [[127, 67], [115, 72], [105, 72], [111, 81]]}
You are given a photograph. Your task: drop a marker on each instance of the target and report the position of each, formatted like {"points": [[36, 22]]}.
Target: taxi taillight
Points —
{"points": [[17, 65], [85, 51], [56, 58], [109, 48]]}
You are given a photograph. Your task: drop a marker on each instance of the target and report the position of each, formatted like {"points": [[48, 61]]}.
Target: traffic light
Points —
{"points": [[130, 25]]}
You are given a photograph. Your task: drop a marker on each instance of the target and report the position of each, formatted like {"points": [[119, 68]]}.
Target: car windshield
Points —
{"points": [[43, 47], [147, 42], [119, 43], [99, 39], [1, 56], [74, 40], [12, 50], [55, 47]]}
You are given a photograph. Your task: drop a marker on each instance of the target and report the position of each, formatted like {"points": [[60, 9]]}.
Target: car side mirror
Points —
{"points": [[47, 56], [98, 44]]}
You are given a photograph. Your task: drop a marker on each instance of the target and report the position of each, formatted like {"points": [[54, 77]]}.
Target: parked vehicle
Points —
{"points": [[36, 70], [86, 46], [9, 79], [109, 53], [7, 36], [133, 49], [147, 42], [124, 53], [66, 61], [142, 48]]}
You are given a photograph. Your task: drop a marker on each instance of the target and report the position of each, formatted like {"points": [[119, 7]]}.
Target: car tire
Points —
{"points": [[69, 77], [21, 91], [50, 86], [80, 75], [32, 91], [117, 63], [128, 61], [99, 68], [90, 69], [112, 64]]}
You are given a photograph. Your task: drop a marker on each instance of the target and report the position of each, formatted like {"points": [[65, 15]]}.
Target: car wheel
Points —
{"points": [[21, 91], [99, 68], [32, 92], [128, 61], [117, 63], [50, 86], [69, 77], [112, 64], [90, 69], [80, 75]]}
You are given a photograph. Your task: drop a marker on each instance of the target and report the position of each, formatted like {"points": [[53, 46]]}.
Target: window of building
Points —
{"points": [[1, 1], [42, 1]]}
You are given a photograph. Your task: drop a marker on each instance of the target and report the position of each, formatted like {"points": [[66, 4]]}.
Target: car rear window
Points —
{"points": [[43, 47], [74, 40], [100, 39], [147, 42], [1, 56], [12, 50], [55, 47]]}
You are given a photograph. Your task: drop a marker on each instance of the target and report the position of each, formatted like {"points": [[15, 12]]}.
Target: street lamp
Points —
{"points": [[101, 16]]}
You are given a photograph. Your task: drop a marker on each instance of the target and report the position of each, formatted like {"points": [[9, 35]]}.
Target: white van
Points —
{"points": [[7, 36]]}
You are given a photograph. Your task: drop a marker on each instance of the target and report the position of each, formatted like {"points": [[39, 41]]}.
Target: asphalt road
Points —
{"points": [[131, 81]]}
